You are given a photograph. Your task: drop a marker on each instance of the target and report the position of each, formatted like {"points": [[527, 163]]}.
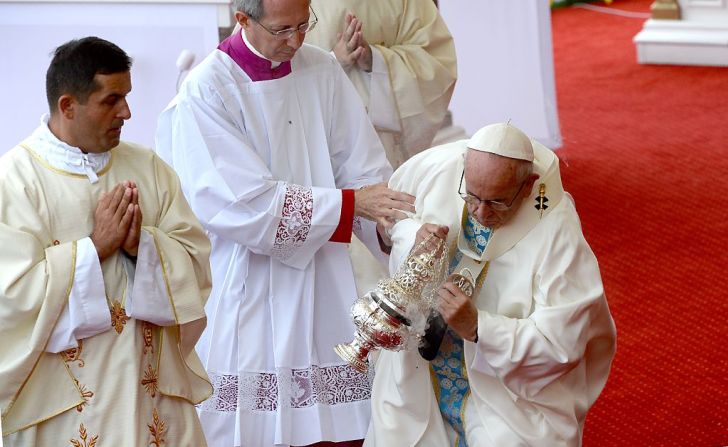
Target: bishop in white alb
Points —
{"points": [[268, 155]]}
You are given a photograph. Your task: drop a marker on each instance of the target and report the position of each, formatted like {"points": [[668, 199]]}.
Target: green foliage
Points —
{"points": [[562, 3]]}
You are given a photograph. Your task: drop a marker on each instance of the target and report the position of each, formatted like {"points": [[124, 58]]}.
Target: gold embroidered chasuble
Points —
{"points": [[419, 64], [134, 384]]}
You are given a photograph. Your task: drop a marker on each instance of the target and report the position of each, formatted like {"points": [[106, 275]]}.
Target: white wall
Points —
{"points": [[505, 65], [153, 34]]}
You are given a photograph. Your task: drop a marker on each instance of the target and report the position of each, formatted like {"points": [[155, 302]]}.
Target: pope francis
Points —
{"points": [[521, 363]]}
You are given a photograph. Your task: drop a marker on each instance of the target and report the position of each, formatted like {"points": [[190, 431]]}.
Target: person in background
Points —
{"points": [[400, 56]]}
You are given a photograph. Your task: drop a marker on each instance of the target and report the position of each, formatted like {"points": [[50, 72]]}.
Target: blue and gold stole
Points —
{"points": [[449, 375]]}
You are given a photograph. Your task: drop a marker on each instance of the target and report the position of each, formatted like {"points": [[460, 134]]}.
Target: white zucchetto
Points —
{"points": [[502, 139]]}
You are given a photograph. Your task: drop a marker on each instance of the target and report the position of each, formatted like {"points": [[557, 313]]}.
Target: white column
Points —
{"points": [[505, 66]]}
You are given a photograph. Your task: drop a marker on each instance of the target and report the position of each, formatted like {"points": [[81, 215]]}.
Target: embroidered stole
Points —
{"points": [[449, 375]]}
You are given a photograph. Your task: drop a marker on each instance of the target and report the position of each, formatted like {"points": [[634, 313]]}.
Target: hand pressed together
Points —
{"points": [[117, 221], [351, 48]]}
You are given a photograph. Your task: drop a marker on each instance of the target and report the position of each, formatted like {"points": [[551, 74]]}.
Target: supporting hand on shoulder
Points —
{"points": [[382, 205]]}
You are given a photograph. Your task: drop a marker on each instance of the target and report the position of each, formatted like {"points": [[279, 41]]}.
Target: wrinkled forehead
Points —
{"points": [[486, 169]]}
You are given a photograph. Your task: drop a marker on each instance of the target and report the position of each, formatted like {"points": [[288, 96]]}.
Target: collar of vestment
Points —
{"points": [[64, 157], [531, 211], [254, 65]]}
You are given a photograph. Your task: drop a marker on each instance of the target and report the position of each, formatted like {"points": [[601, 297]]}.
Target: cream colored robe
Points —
{"points": [[420, 63], [545, 335], [134, 384]]}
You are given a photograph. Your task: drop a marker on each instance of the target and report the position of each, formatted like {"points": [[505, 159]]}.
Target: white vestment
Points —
{"points": [[413, 67], [545, 335], [97, 353], [262, 164]]}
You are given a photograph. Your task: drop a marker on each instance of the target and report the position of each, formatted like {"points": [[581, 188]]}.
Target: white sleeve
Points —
{"points": [[148, 300], [87, 311], [527, 354], [357, 154], [233, 192], [382, 106]]}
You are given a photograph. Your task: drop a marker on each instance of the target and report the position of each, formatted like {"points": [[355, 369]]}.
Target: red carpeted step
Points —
{"points": [[646, 156]]}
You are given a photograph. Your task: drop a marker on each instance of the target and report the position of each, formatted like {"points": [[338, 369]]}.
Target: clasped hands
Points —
{"points": [[351, 48], [117, 221], [456, 308]]}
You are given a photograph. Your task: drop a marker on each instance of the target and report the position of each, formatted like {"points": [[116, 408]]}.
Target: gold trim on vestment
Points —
{"points": [[43, 419], [118, 316], [150, 381], [86, 394], [177, 327], [72, 355], [435, 383], [159, 350], [83, 435], [46, 165], [118, 308], [164, 274], [157, 429], [476, 291], [148, 337], [467, 394], [184, 362], [68, 295], [481, 279]]}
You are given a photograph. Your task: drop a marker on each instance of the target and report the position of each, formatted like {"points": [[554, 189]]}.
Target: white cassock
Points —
{"points": [[414, 67], [545, 335], [263, 164]]}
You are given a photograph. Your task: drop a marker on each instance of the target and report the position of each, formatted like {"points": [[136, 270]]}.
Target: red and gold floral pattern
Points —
{"points": [[74, 355], [84, 441], [147, 333], [86, 394], [149, 382], [157, 430], [118, 317]]}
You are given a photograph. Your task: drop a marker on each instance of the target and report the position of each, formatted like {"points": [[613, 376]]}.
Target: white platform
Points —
{"points": [[683, 42]]}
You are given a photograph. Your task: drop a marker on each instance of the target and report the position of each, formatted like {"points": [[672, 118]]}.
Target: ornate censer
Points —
{"points": [[394, 315]]}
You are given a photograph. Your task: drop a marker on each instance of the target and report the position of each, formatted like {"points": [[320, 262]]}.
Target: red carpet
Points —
{"points": [[645, 152]]}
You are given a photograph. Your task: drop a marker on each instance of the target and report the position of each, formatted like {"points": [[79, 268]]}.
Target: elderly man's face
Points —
{"points": [[278, 15], [492, 178]]}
